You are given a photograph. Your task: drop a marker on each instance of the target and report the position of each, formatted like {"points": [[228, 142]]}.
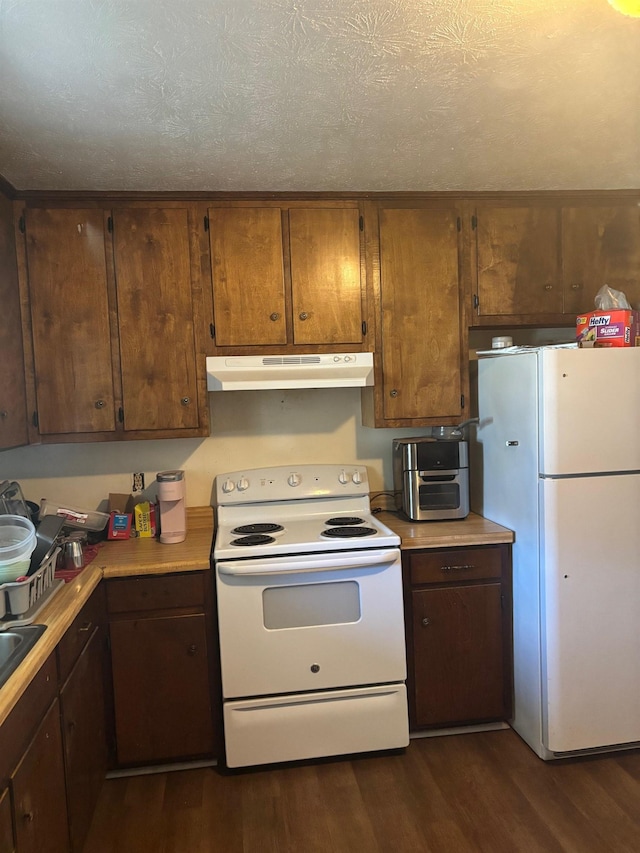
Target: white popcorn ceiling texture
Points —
{"points": [[318, 95]]}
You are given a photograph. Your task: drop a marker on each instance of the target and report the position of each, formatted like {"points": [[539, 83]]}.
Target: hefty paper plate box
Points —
{"points": [[619, 327]]}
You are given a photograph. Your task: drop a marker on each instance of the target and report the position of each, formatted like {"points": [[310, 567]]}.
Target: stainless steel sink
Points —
{"points": [[15, 644]]}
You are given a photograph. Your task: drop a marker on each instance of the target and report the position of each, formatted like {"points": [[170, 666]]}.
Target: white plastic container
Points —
{"points": [[17, 543]]}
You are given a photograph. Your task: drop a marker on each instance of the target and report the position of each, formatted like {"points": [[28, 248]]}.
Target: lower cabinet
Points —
{"points": [[39, 798], [7, 844], [81, 655], [33, 808], [458, 616], [162, 672]]}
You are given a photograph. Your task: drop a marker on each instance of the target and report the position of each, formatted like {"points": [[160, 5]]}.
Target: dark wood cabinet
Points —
{"points": [[7, 840], [82, 706], [13, 406], [517, 260], [600, 245], [458, 615], [421, 343], [162, 668], [110, 326], [287, 276], [39, 795]]}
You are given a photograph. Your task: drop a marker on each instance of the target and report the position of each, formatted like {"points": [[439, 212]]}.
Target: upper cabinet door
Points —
{"points": [[600, 245], [248, 276], [67, 276], [422, 343], [155, 318], [326, 277], [13, 400], [518, 269]]}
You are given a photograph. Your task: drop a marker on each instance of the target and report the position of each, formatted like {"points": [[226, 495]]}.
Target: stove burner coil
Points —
{"points": [[344, 520], [348, 532], [254, 539], [246, 529]]}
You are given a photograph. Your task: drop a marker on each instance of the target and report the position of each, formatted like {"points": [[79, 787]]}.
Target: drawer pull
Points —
{"points": [[426, 621], [456, 568], [84, 629], [192, 650]]}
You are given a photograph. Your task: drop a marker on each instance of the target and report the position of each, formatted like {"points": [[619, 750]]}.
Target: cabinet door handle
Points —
{"points": [[185, 401], [304, 315], [393, 393], [191, 651], [548, 287], [100, 404], [576, 286], [4, 414], [275, 316], [27, 817], [84, 629], [464, 568], [426, 621]]}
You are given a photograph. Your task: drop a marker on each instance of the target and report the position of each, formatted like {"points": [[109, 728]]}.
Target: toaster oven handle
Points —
{"points": [[315, 563]]}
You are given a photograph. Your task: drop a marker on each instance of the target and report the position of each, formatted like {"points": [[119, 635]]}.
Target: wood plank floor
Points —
{"points": [[455, 794]]}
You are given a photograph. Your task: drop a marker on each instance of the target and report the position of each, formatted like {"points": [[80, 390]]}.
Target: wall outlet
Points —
{"points": [[138, 482]]}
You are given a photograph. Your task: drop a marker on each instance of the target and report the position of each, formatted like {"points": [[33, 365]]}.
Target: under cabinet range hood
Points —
{"points": [[253, 372]]}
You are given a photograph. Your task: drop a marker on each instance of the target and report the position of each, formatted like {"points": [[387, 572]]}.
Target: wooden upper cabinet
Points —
{"points": [[326, 276], [518, 263], [155, 318], [423, 346], [13, 402], [600, 245], [248, 276], [287, 276], [68, 295]]}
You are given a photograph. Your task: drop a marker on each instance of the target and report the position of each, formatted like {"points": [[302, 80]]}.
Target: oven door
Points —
{"points": [[293, 624]]}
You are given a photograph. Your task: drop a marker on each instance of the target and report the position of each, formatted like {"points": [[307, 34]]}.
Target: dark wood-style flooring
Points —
{"points": [[455, 794]]}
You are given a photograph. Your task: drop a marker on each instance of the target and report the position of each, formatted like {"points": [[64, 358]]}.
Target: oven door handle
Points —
{"points": [[316, 563]]}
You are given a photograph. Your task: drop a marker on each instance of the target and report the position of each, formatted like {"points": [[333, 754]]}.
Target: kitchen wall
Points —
{"points": [[248, 429]]}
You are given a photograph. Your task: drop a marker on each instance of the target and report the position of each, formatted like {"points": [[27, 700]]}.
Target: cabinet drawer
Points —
{"points": [[159, 592], [79, 632], [457, 564]]}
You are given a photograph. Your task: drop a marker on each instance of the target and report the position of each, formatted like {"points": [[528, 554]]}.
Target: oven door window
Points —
{"points": [[440, 495], [304, 605]]}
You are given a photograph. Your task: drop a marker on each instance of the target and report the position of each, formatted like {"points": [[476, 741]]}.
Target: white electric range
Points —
{"points": [[310, 614]]}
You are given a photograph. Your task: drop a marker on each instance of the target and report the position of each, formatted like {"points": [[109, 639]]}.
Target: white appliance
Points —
{"points": [[310, 615], [255, 372], [558, 454]]}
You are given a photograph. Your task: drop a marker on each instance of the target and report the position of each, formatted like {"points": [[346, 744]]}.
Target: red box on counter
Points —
{"points": [[619, 327]]}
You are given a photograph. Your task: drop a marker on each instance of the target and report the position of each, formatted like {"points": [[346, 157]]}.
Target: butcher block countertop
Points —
{"points": [[114, 560], [472, 530]]}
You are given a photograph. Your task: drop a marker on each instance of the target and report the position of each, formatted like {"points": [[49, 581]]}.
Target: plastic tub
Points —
{"points": [[17, 543]]}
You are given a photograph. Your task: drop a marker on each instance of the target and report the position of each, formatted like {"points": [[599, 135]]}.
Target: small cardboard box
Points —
{"points": [[619, 327], [120, 516]]}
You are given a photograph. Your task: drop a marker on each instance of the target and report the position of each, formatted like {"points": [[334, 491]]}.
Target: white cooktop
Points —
{"points": [[301, 499]]}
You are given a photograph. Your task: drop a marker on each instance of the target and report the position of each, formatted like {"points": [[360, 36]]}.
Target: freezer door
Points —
{"points": [[590, 410], [591, 611]]}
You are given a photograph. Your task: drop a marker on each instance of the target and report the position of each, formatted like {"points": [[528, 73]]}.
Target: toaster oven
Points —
{"points": [[431, 478]]}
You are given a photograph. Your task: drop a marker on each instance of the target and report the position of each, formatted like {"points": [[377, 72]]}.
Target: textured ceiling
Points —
{"points": [[318, 95]]}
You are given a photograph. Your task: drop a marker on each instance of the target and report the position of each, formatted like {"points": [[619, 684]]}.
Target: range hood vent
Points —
{"points": [[252, 372]]}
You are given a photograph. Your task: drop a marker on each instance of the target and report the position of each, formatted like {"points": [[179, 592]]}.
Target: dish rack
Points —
{"points": [[21, 601]]}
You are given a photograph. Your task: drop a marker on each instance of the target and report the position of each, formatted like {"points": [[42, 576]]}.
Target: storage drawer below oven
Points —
{"points": [[312, 725]]}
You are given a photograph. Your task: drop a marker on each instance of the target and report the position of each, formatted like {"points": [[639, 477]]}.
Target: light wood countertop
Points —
{"points": [[130, 557], [469, 531]]}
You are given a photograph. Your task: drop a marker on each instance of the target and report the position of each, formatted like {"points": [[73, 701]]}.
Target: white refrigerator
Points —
{"points": [[556, 458]]}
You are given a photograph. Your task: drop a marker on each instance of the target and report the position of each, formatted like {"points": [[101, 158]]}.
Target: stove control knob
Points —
{"points": [[243, 484], [228, 486], [357, 478], [343, 477], [294, 480]]}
